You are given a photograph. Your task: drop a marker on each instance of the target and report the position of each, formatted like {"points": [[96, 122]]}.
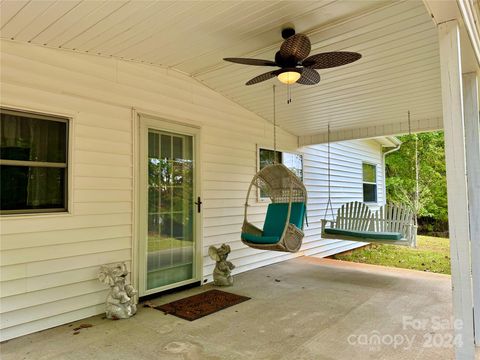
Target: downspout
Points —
{"points": [[396, 148]]}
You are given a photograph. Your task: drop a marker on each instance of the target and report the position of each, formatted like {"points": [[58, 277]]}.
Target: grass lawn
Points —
{"points": [[432, 254]]}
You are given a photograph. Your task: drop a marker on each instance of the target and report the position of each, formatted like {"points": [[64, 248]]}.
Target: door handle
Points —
{"points": [[199, 204]]}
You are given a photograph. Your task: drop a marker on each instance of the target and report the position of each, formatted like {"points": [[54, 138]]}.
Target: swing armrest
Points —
{"points": [[330, 223]]}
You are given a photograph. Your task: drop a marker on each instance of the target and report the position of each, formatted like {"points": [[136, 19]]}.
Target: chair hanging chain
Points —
{"points": [[329, 202], [274, 129], [328, 152]]}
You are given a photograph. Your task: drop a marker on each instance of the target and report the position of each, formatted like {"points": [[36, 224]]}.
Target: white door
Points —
{"points": [[168, 243]]}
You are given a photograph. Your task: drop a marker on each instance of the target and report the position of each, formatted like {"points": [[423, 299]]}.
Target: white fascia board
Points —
{"points": [[388, 141]]}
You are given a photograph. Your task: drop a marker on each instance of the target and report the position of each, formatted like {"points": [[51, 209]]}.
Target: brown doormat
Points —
{"points": [[200, 305]]}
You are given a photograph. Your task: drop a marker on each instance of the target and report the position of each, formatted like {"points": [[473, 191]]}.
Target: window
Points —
{"points": [[292, 161], [33, 163], [369, 183]]}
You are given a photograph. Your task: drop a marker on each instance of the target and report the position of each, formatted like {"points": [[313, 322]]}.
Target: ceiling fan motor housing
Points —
{"points": [[287, 32], [285, 61]]}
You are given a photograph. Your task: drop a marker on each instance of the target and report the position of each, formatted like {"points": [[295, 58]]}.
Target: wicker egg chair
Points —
{"points": [[283, 226]]}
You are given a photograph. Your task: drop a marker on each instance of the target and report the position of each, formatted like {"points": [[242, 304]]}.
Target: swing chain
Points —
{"points": [[329, 202], [409, 124], [274, 128]]}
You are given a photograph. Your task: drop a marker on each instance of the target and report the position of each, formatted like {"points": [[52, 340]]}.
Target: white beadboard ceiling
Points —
{"points": [[399, 70]]}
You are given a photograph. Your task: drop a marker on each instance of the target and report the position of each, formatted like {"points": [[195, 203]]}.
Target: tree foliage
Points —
{"points": [[401, 184]]}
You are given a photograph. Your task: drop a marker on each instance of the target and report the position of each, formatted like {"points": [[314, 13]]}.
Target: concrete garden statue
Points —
{"points": [[221, 274], [121, 300]]}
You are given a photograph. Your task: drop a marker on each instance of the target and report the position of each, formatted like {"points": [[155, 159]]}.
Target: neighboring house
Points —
{"points": [[89, 148]]}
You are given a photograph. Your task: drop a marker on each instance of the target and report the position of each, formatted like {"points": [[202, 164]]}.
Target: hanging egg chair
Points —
{"points": [[283, 226]]}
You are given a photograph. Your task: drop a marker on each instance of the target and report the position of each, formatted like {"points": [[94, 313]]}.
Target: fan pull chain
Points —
{"points": [[289, 94]]}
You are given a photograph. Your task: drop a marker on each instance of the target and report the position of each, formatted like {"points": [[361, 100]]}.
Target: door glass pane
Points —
{"points": [[166, 146], [170, 257], [177, 148]]}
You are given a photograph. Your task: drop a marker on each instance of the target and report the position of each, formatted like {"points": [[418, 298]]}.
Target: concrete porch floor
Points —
{"points": [[319, 309]]}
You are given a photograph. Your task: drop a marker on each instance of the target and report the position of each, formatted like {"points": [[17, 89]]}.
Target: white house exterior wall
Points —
{"points": [[49, 262], [346, 185]]}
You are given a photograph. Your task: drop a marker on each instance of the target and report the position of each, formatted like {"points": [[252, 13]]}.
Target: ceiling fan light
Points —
{"points": [[289, 77]]}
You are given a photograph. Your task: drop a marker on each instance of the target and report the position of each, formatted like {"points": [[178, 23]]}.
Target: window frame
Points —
{"points": [[261, 147], [370, 183], [48, 116]]}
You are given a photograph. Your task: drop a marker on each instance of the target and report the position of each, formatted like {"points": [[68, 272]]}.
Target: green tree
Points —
{"points": [[416, 175]]}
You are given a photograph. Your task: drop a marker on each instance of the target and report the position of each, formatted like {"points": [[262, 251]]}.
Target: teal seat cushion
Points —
{"points": [[260, 239], [394, 236], [275, 222], [277, 215]]}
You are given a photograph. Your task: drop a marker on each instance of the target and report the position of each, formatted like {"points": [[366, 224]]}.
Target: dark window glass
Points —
{"points": [[24, 138], [33, 157], [369, 193], [267, 157], [24, 187]]}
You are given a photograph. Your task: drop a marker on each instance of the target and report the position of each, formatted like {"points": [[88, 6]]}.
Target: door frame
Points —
{"points": [[146, 121]]}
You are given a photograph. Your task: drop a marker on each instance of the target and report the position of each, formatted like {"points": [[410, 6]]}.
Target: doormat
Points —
{"points": [[203, 304]]}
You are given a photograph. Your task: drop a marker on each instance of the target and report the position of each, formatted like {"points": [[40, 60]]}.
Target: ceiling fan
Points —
{"points": [[295, 64]]}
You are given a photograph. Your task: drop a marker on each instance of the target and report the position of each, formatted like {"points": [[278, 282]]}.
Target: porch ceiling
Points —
{"points": [[399, 70]]}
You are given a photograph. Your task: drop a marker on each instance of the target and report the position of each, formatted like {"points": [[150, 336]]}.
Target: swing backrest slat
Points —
{"points": [[393, 218], [354, 216]]}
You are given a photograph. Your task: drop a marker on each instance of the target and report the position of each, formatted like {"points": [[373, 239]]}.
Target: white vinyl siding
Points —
{"points": [[49, 262], [346, 169]]}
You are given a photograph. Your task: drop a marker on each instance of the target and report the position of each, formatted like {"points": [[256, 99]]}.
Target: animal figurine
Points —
{"points": [[221, 274], [121, 300]]}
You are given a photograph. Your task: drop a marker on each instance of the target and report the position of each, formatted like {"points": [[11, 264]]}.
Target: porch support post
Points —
{"points": [[458, 216], [472, 139]]}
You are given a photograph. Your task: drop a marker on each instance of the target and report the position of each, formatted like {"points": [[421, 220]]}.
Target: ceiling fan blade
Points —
{"points": [[330, 59], [297, 47], [309, 77], [247, 61], [263, 77]]}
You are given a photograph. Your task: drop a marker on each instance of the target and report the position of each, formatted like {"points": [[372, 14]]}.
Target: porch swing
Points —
{"points": [[283, 226], [391, 224]]}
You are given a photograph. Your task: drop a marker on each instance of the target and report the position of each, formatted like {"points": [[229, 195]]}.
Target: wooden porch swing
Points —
{"points": [[391, 224]]}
